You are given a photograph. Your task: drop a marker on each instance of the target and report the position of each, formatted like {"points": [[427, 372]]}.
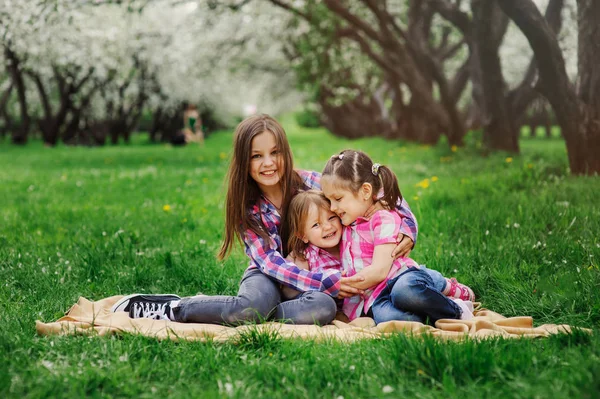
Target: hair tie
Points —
{"points": [[375, 169], [338, 156]]}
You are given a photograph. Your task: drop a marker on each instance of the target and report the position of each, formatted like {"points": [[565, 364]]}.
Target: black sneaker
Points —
{"points": [[155, 307]]}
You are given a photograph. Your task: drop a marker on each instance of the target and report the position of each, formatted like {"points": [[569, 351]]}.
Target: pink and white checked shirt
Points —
{"points": [[357, 247], [319, 259]]}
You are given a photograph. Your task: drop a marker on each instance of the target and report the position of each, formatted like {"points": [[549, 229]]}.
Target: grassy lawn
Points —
{"points": [[96, 222]]}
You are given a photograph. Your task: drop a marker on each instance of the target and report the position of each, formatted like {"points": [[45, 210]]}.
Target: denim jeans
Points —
{"points": [[258, 300], [415, 295]]}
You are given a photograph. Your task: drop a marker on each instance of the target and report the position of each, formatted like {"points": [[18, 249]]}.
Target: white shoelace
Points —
{"points": [[148, 310]]}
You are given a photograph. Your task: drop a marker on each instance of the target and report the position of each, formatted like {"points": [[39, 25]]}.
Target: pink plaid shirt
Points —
{"points": [[319, 259], [270, 261], [358, 245], [268, 258]]}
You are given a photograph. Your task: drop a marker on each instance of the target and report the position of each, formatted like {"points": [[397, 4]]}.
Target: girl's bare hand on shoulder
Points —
{"points": [[405, 245]]}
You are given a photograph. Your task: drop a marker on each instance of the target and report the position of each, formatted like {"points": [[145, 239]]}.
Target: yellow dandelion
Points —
{"points": [[166, 208], [434, 178], [423, 183], [222, 155], [508, 160], [416, 198], [454, 148]]}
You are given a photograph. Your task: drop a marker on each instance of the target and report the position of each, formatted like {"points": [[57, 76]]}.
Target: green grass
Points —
{"points": [[92, 222]]}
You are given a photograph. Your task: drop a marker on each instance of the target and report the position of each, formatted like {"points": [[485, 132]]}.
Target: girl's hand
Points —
{"points": [[346, 288], [405, 245]]}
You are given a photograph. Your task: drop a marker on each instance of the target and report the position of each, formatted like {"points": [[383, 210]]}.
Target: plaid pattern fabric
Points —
{"points": [[318, 259], [358, 245], [269, 259]]}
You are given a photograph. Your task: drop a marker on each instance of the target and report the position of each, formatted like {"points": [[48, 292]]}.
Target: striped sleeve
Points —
{"points": [[311, 179], [409, 225], [272, 263]]}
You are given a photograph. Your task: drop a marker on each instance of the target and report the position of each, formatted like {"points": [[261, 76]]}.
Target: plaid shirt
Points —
{"points": [[269, 259], [358, 245], [271, 262], [319, 259]]}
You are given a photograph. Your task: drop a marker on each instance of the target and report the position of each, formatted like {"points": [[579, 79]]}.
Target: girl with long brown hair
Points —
{"points": [[262, 182]]}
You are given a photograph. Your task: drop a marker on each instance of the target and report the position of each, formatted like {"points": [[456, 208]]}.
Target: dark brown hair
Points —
{"points": [[296, 218], [354, 168], [242, 191]]}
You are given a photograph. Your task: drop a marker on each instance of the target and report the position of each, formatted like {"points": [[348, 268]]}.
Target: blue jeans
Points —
{"points": [[415, 295], [258, 300]]}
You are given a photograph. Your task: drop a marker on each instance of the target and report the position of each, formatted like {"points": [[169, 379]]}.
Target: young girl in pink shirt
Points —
{"points": [[314, 237]]}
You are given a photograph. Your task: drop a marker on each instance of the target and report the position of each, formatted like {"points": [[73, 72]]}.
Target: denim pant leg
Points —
{"points": [[415, 291], [438, 280], [256, 301], [307, 308], [384, 310]]}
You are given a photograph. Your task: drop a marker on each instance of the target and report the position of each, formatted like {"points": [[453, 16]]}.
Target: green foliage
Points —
{"points": [[97, 222], [308, 118]]}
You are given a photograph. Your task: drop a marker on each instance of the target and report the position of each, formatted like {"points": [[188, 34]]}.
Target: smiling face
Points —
{"points": [[348, 205], [322, 228], [266, 162]]}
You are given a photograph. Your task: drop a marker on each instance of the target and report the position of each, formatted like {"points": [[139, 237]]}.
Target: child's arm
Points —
{"points": [[379, 268], [288, 292], [407, 236], [269, 260], [302, 264]]}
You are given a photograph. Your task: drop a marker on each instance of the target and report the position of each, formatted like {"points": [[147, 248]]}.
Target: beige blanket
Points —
{"points": [[87, 317]]}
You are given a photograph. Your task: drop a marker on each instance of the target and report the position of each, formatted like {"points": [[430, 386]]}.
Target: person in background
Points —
{"points": [[192, 125]]}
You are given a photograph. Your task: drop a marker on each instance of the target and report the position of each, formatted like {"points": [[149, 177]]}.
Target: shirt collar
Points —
{"points": [[359, 220], [314, 252], [265, 206]]}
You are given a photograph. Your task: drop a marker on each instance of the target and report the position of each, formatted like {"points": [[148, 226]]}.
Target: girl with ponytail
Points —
{"points": [[394, 289]]}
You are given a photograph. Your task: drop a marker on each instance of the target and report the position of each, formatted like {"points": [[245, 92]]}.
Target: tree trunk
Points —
{"points": [[4, 112], [421, 128], [587, 158], [19, 135], [577, 117], [499, 131], [155, 129]]}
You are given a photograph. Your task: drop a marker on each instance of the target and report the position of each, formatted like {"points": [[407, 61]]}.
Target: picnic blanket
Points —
{"points": [[88, 317]]}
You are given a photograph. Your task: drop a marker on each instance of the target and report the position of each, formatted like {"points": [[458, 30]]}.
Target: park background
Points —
{"points": [[488, 112]]}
